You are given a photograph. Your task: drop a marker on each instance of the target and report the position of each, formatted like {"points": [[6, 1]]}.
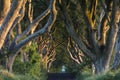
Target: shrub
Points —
{"points": [[117, 75], [5, 75], [33, 67], [86, 75]]}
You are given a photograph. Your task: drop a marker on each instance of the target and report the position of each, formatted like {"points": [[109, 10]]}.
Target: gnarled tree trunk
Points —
{"points": [[10, 61], [100, 65], [99, 51], [17, 44]]}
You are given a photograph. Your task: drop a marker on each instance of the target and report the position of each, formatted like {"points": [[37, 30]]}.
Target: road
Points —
{"points": [[61, 76]]}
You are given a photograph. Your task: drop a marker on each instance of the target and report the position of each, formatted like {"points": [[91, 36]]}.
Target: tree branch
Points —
{"points": [[75, 53], [90, 15], [4, 9], [8, 22], [48, 25], [112, 32], [70, 29]]}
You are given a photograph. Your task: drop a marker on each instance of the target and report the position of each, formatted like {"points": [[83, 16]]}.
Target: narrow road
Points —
{"points": [[61, 76]]}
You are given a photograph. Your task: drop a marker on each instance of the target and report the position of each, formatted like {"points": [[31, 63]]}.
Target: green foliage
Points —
{"points": [[5, 75], [82, 75], [63, 58], [117, 75], [33, 67], [24, 77], [111, 75], [21, 67]]}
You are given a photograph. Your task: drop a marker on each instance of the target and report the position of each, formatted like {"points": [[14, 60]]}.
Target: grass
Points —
{"points": [[111, 75], [5, 75], [86, 75]]}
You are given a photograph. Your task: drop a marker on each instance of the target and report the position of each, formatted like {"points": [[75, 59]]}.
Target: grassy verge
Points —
{"points": [[5, 75], [111, 75]]}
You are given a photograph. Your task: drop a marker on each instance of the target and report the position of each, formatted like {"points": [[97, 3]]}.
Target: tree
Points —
{"points": [[99, 48], [47, 48], [13, 19], [99, 38], [75, 53], [5, 6], [116, 62]]}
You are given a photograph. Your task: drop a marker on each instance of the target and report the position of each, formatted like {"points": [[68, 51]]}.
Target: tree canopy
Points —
{"points": [[72, 29]]}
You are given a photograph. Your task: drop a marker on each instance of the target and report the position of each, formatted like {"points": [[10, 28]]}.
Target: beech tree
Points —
{"points": [[12, 18], [74, 51], [47, 48], [99, 47], [99, 16]]}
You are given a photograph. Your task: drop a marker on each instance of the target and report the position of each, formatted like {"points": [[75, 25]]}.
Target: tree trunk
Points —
{"points": [[24, 57], [101, 66], [10, 61], [116, 62]]}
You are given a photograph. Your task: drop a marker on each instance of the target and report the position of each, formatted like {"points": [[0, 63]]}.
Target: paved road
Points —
{"points": [[61, 76]]}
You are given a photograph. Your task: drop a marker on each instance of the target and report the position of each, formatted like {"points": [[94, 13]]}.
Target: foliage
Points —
{"points": [[63, 58], [111, 75], [5, 75], [33, 66]]}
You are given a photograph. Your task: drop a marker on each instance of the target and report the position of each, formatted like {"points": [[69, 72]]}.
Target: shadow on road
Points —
{"points": [[61, 76]]}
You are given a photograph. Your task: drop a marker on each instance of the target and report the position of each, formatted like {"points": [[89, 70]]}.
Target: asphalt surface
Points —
{"points": [[61, 76]]}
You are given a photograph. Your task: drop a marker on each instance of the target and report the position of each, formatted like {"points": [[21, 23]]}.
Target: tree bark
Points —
{"points": [[116, 62], [99, 67], [15, 47], [9, 19], [10, 61], [100, 57], [4, 9]]}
